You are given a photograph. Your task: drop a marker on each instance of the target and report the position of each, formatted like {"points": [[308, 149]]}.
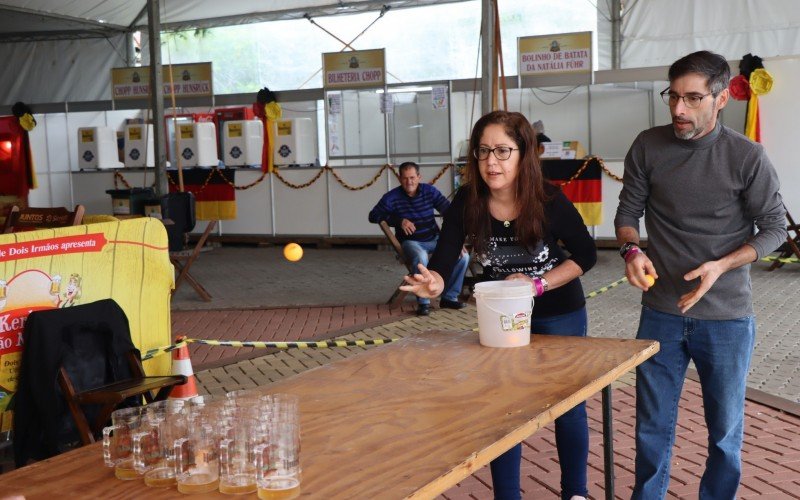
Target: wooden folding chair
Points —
{"points": [[88, 350], [183, 260], [108, 397], [792, 245], [25, 219], [398, 295]]}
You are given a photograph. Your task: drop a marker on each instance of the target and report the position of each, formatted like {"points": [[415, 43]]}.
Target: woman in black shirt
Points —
{"points": [[515, 220]]}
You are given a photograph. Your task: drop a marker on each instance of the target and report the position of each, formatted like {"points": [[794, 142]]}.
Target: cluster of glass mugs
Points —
{"points": [[241, 444]]}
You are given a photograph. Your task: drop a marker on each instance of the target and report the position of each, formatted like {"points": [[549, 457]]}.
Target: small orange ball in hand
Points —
{"points": [[650, 280], [293, 252]]}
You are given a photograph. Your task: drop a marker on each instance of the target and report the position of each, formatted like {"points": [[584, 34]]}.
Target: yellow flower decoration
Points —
{"points": [[273, 110], [760, 81], [27, 122]]}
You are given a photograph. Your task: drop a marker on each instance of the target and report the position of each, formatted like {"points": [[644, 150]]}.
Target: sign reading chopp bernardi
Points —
{"points": [[355, 69], [547, 54]]}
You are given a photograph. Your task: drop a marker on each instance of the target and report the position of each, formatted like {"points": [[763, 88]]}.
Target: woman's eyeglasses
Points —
{"points": [[500, 152]]}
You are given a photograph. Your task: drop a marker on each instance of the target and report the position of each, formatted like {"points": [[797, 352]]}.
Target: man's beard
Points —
{"points": [[686, 135]]}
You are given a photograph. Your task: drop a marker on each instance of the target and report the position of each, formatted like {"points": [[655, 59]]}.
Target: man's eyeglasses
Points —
{"points": [[500, 152], [691, 101]]}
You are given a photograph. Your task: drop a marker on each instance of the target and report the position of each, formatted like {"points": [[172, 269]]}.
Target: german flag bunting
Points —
{"points": [[213, 191], [585, 191]]}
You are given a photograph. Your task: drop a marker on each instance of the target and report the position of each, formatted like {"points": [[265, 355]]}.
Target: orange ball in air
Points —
{"points": [[293, 252]]}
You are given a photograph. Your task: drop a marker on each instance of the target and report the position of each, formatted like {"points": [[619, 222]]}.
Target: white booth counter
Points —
{"points": [[323, 209], [270, 208]]}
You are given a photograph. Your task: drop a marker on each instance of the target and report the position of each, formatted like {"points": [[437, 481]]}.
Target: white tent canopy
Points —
{"points": [[62, 51], [25, 20]]}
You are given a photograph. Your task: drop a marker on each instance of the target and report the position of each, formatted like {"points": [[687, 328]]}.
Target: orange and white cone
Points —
{"points": [[182, 365]]}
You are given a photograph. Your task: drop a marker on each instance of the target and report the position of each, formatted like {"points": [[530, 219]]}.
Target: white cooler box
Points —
{"points": [[198, 144], [97, 148], [139, 146], [243, 142], [294, 142]]}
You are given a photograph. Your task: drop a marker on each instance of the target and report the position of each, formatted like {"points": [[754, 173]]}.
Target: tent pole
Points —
{"points": [[487, 55], [157, 96]]}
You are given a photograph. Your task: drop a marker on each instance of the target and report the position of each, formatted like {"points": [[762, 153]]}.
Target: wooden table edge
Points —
{"points": [[482, 458]]}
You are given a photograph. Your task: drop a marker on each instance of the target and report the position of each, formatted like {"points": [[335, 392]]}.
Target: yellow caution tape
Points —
{"points": [[788, 260], [322, 344]]}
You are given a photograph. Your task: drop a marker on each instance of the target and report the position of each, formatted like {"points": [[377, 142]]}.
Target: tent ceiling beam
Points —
{"points": [[340, 8], [88, 23], [37, 36]]}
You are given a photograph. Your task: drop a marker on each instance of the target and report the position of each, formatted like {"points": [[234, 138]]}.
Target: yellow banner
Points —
{"points": [[548, 54], [127, 261], [355, 69], [190, 80]]}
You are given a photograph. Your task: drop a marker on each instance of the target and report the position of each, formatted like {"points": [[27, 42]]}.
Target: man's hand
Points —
{"points": [[408, 227], [708, 273], [636, 268]]}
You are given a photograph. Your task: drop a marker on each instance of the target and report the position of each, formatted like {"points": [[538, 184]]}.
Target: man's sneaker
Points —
{"points": [[451, 304], [423, 309]]}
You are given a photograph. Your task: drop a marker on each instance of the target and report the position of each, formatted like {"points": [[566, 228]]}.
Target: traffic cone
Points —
{"points": [[182, 365]]}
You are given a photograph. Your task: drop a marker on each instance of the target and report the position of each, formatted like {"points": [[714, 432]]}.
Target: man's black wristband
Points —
{"points": [[624, 249]]}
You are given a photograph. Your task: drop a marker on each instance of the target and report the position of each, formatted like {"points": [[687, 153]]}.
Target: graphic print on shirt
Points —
{"points": [[504, 256]]}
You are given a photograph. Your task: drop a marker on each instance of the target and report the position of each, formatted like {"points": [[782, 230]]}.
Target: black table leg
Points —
{"points": [[608, 443]]}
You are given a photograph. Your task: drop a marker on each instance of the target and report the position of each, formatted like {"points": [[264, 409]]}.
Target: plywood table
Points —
{"points": [[406, 420]]}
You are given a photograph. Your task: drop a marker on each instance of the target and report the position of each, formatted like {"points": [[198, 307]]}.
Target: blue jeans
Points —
{"points": [[572, 429], [721, 351], [419, 251]]}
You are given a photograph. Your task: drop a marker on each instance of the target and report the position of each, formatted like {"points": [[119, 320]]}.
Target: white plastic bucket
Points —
{"points": [[504, 313]]}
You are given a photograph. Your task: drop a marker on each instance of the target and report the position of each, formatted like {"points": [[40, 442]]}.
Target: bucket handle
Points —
{"points": [[500, 312]]}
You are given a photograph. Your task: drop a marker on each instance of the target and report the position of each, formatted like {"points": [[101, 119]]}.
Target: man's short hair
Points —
{"points": [[406, 165], [713, 66]]}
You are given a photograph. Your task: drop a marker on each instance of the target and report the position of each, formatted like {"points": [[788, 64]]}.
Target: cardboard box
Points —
{"points": [[572, 150]]}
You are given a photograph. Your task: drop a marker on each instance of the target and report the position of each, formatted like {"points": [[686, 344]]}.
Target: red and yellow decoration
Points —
{"points": [[17, 174], [753, 80], [267, 109]]}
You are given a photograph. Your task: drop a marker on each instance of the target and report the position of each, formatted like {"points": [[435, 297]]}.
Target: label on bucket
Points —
{"points": [[518, 321]]}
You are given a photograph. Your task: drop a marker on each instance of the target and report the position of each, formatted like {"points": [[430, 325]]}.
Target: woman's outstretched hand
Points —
{"points": [[426, 284]]}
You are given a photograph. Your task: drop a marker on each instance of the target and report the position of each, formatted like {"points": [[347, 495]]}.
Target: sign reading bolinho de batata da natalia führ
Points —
{"points": [[550, 54]]}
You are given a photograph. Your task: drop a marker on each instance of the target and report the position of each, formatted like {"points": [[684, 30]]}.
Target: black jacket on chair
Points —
{"points": [[92, 342]]}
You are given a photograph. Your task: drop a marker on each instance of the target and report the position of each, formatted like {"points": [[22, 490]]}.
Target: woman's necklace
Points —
{"points": [[505, 215]]}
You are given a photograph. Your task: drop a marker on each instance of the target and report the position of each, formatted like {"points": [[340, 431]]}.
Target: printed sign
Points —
{"points": [[355, 69], [547, 54], [87, 135], [127, 261], [134, 133], [285, 127], [187, 131], [234, 129], [189, 79]]}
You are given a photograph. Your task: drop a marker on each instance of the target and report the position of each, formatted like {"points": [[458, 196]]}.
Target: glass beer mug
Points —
{"points": [[118, 447], [278, 459], [196, 454], [237, 464], [163, 422]]}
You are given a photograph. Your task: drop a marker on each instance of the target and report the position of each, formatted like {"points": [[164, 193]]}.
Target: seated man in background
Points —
{"points": [[409, 209]]}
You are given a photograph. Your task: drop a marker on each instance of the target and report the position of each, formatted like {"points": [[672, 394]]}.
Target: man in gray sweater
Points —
{"points": [[703, 189]]}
